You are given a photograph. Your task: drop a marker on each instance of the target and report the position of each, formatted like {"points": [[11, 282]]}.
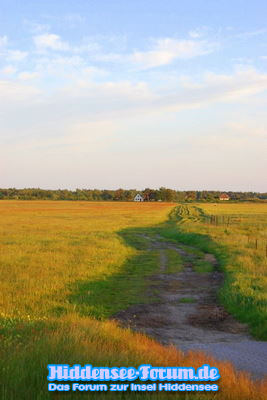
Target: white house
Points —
{"points": [[138, 197]]}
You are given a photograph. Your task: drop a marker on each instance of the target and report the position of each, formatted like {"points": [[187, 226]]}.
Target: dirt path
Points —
{"points": [[187, 315]]}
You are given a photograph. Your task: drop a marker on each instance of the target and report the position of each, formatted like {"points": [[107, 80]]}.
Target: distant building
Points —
{"points": [[138, 197], [224, 196]]}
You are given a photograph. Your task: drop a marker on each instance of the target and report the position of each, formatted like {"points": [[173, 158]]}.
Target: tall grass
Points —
{"points": [[64, 264], [244, 292], [49, 247], [72, 339]]}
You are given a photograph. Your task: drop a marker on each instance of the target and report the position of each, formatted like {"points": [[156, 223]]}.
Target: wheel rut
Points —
{"points": [[185, 312]]}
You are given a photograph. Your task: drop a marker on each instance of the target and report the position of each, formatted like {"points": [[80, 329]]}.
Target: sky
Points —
{"points": [[133, 94]]}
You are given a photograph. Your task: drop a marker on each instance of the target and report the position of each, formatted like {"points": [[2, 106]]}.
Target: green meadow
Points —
{"points": [[236, 233]]}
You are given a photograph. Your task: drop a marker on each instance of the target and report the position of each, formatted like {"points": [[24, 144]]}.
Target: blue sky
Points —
{"points": [[133, 94]]}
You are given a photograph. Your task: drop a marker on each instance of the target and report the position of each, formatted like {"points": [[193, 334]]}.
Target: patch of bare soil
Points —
{"points": [[172, 318], [186, 312]]}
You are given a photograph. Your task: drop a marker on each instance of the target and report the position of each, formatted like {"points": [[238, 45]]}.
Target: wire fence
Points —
{"points": [[230, 220]]}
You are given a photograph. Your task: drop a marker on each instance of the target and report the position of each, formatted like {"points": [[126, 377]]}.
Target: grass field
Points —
{"points": [[51, 248], [245, 289], [232, 237], [67, 266]]}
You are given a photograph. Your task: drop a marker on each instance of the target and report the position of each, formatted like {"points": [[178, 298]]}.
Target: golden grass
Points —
{"points": [[48, 246], [74, 340]]}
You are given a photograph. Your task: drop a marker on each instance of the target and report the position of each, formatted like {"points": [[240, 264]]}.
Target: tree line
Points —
{"points": [[161, 194]]}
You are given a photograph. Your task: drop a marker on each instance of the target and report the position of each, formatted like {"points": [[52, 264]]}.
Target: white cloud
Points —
{"points": [[152, 58], [16, 55], [216, 88], [112, 123], [50, 41], [195, 34], [10, 54], [163, 52], [167, 50], [26, 75], [60, 67], [244, 82], [81, 96]]}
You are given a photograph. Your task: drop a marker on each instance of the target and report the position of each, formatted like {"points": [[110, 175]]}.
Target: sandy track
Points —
{"points": [[199, 325]]}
